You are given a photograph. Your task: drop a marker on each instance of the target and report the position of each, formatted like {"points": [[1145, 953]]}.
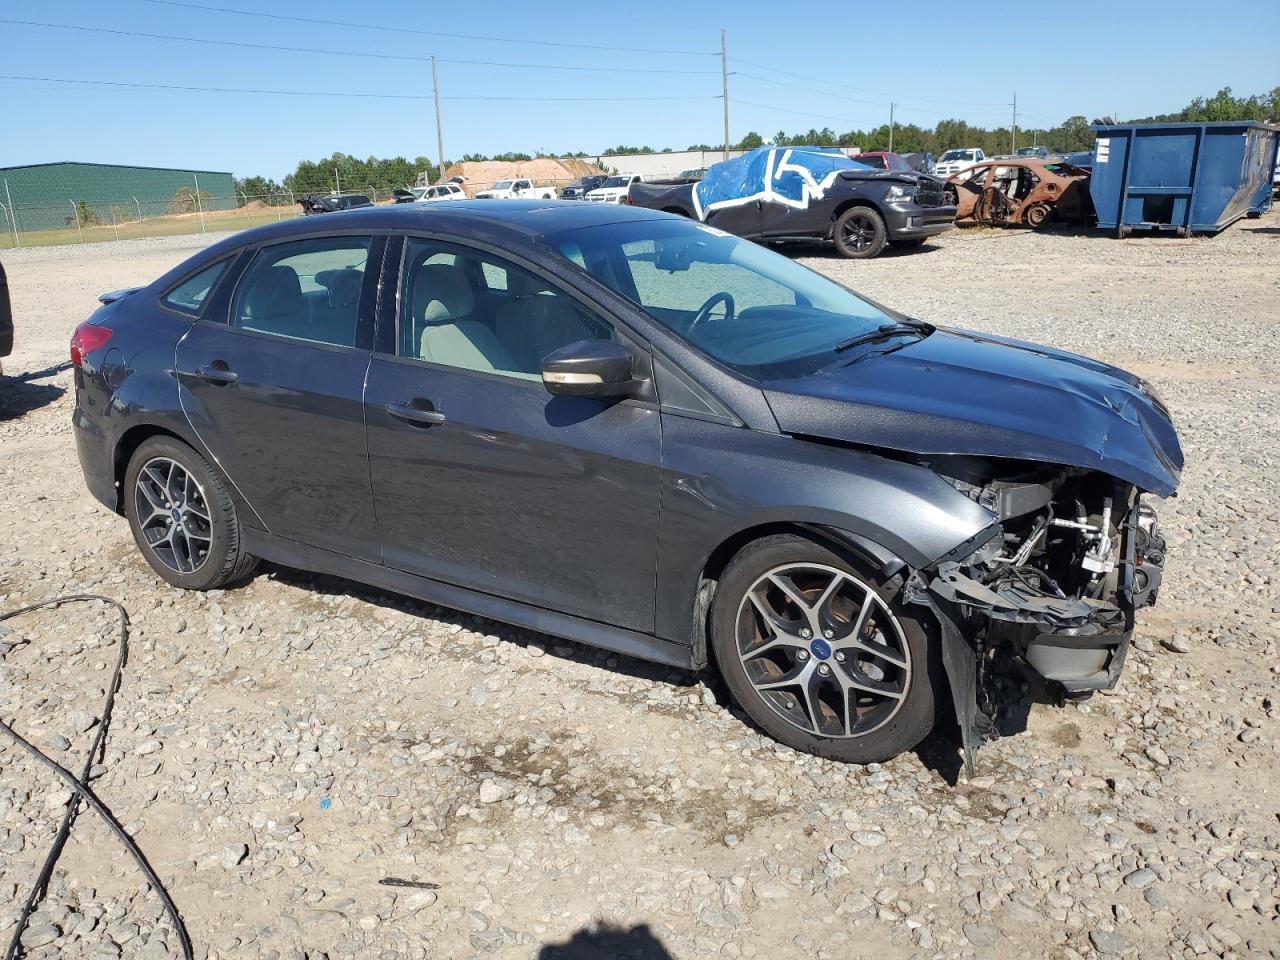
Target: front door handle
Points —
{"points": [[407, 411], [216, 375]]}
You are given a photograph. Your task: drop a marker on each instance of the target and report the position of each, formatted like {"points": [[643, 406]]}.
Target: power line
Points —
{"points": [[797, 113], [425, 33], [343, 93], [830, 83], [338, 53], [793, 86]]}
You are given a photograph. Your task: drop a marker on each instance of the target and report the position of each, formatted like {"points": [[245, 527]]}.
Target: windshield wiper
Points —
{"points": [[886, 330]]}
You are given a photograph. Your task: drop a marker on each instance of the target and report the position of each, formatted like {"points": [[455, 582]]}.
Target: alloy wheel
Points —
{"points": [[173, 515], [858, 234], [823, 650]]}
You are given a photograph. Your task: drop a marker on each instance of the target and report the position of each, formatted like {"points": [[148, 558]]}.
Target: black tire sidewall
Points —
{"points": [[916, 716], [224, 548], [874, 219]]}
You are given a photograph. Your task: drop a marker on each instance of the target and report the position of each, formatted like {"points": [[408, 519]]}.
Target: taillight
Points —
{"points": [[87, 338], [628, 201]]}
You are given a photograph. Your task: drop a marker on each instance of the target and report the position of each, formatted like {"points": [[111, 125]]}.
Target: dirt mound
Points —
{"points": [[544, 172]]}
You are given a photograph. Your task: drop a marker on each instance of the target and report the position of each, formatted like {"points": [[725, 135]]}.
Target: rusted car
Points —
{"points": [[1021, 192]]}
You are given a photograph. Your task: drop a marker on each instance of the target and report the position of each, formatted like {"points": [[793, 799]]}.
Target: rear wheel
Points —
{"points": [[820, 655], [182, 517], [1037, 215], [860, 233]]}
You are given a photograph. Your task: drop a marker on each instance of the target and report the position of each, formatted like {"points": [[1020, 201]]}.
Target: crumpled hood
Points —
{"points": [[958, 392]]}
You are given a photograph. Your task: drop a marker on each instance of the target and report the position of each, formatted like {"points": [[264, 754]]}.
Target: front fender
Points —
{"points": [[721, 482]]}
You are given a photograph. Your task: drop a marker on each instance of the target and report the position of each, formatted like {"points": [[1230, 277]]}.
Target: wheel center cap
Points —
{"points": [[820, 649], [176, 514]]}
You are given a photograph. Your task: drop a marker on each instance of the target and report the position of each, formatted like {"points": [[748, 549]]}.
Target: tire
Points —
{"points": [[1037, 215], [885, 726], [907, 243], [208, 537], [859, 233]]}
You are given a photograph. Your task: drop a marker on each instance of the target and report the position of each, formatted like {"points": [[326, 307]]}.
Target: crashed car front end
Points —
{"points": [[1059, 451], [1055, 583]]}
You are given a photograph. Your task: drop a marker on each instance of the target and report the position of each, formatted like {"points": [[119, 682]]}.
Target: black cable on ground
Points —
{"points": [[81, 791]]}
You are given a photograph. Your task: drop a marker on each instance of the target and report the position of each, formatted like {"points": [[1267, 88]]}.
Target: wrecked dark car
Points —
{"points": [[313, 203], [638, 432], [807, 194]]}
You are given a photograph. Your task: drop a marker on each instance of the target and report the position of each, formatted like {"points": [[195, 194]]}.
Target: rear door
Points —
{"points": [[273, 386]]}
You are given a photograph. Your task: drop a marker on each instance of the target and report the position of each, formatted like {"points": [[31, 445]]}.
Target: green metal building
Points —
{"points": [[47, 196]]}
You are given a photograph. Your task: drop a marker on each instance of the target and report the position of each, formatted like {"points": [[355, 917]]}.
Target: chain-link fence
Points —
{"points": [[125, 218], [85, 221]]}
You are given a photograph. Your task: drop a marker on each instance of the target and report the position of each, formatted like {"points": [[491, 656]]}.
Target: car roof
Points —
{"points": [[531, 218]]}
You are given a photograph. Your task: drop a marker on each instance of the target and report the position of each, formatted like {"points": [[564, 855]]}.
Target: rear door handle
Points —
{"points": [[406, 411], [216, 375]]}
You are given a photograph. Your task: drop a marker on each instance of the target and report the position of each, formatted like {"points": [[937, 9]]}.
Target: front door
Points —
{"points": [[274, 389], [484, 480]]}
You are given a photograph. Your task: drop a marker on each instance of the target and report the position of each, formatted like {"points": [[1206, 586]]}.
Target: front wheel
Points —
{"points": [[823, 657], [183, 518], [860, 233]]}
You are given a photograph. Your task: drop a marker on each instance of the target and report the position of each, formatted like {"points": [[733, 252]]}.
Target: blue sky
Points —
{"points": [[1124, 58]]}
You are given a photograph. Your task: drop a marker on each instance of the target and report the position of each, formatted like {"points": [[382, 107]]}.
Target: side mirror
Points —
{"points": [[590, 368]]}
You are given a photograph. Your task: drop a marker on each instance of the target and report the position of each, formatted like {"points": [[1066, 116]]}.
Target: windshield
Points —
{"points": [[958, 155], [616, 182], [754, 310], [501, 185]]}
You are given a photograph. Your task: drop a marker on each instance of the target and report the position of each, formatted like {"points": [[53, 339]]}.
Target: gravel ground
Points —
{"points": [[278, 749]]}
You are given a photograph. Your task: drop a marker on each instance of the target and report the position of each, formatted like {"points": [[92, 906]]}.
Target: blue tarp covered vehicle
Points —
{"points": [[780, 194]]}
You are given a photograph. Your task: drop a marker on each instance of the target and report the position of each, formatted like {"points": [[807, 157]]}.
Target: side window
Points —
{"points": [[190, 295], [307, 290], [471, 310]]}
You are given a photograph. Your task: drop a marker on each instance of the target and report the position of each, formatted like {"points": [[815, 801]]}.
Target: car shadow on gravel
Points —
{"points": [[557, 647], [606, 942], [20, 395], [827, 251]]}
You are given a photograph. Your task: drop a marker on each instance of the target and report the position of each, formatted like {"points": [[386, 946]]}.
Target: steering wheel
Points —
{"points": [[704, 311]]}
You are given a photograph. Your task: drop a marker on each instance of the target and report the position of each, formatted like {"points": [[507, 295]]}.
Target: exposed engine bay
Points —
{"points": [[1075, 555]]}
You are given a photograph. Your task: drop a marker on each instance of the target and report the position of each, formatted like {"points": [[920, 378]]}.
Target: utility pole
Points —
{"points": [[1013, 132], [435, 93], [724, 80], [336, 181], [891, 106]]}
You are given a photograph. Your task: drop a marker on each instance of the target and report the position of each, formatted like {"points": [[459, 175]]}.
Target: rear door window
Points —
{"points": [[305, 290]]}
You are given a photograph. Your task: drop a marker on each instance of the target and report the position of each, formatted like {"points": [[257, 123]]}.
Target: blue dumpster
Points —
{"points": [[1182, 177]]}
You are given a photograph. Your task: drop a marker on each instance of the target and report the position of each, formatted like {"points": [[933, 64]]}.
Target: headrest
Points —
{"points": [[441, 292], [276, 291]]}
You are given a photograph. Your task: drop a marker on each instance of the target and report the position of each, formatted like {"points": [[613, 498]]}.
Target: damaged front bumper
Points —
{"points": [[987, 606]]}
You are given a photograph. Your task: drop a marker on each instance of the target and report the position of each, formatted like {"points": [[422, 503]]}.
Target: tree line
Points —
{"points": [[353, 174]]}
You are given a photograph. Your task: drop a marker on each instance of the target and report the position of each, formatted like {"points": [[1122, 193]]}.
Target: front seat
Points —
{"points": [[537, 321], [442, 303]]}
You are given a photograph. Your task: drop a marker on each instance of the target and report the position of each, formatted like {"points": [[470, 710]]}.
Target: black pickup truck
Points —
{"points": [[785, 194]]}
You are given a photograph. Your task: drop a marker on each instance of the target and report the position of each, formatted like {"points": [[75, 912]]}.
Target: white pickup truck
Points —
{"points": [[956, 161], [516, 190], [614, 190]]}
